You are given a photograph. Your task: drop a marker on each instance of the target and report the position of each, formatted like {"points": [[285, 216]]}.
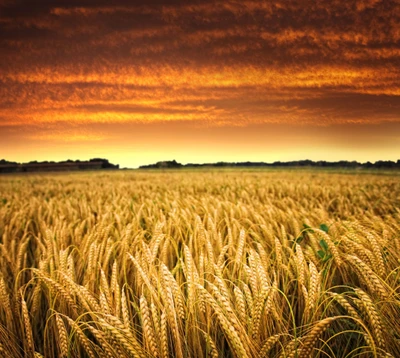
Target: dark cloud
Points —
{"points": [[356, 33]]}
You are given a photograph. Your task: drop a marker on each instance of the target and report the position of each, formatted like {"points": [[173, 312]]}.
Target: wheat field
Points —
{"points": [[200, 264]]}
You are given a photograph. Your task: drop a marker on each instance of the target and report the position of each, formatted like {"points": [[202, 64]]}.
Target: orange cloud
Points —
{"points": [[317, 77], [208, 64]]}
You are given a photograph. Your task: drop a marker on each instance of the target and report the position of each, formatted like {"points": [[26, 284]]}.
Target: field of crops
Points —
{"points": [[200, 264]]}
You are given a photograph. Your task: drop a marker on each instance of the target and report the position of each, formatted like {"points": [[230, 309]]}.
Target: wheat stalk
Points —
{"points": [[63, 336]]}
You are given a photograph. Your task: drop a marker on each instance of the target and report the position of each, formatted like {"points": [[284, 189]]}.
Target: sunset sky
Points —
{"points": [[199, 81]]}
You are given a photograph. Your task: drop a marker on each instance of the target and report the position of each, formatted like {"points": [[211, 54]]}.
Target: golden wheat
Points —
{"points": [[195, 263]]}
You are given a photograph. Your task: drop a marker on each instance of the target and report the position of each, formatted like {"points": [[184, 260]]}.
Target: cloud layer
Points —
{"points": [[209, 63]]}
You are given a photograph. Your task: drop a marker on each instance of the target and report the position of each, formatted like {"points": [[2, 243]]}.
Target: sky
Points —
{"points": [[199, 81]]}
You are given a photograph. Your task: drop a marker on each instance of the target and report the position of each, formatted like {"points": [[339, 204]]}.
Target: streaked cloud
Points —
{"points": [[205, 63]]}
